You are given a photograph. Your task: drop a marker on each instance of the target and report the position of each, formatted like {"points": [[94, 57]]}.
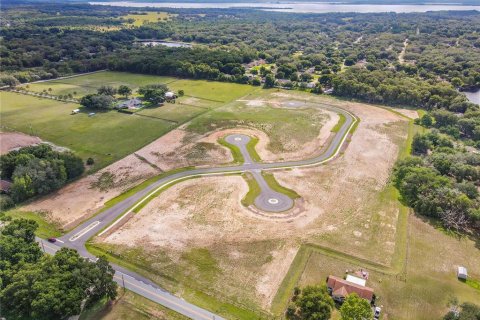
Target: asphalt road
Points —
{"points": [[268, 199], [107, 219]]}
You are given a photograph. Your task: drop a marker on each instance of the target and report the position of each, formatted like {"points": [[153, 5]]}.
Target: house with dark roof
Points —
{"points": [[340, 288]]}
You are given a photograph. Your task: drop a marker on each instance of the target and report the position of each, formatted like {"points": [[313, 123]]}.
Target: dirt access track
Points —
{"points": [[343, 209]]}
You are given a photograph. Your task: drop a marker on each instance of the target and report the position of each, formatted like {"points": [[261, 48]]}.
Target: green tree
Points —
{"points": [[269, 81], [312, 303], [45, 174], [426, 120], [124, 91], [154, 93], [356, 308], [107, 90], [420, 144], [73, 165], [97, 101]]}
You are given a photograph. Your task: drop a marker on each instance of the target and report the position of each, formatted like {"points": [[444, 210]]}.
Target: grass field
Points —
{"points": [[197, 268], [82, 85], [149, 17], [45, 229], [109, 136], [106, 137], [281, 125], [129, 305]]}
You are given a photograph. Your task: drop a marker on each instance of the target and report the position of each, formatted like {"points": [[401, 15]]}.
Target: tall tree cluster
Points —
{"points": [[38, 170], [441, 181], [38, 286]]}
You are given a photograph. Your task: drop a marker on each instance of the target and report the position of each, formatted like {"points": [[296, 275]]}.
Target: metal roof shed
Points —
{"points": [[462, 273]]}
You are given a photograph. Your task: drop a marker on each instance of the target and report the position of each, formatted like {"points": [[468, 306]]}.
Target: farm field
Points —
{"points": [[108, 136], [84, 84], [198, 239], [148, 17]]}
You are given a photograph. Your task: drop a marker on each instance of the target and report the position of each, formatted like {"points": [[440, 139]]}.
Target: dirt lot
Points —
{"points": [[13, 140], [77, 201], [343, 209]]}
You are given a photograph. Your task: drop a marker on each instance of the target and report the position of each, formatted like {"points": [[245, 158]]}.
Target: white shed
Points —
{"points": [[356, 280], [462, 273], [170, 95]]}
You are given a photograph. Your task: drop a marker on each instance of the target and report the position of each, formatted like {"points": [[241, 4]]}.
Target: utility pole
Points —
{"points": [[123, 281]]}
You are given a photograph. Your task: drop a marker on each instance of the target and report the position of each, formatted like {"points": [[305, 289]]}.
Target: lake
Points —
{"points": [[299, 7], [473, 96]]}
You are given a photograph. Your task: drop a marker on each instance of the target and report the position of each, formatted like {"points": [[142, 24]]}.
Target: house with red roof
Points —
{"points": [[340, 288]]}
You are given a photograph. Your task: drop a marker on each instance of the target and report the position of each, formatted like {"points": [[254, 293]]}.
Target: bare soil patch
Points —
{"points": [[14, 140], [83, 198], [178, 148]]}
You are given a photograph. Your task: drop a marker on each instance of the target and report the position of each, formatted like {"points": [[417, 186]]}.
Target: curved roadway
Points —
{"points": [[109, 218]]}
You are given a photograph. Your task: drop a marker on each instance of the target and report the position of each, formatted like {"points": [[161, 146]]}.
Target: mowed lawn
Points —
{"points": [[106, 137], [82, 85]]}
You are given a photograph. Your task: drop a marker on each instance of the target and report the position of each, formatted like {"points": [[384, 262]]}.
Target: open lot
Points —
{"points": [[182, 148], [14, 140], [348, 205]]}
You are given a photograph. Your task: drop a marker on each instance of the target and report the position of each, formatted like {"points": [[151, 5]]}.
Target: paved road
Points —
{"points": [[268, 200], [107, 219]]}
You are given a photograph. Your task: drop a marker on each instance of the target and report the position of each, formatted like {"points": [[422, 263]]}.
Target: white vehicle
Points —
{"points": [[376, 314]]}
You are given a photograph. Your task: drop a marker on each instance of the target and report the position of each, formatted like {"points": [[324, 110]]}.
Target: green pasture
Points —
{"points": [[84, 84], [106, 137], [109, 136], [220, 92]]}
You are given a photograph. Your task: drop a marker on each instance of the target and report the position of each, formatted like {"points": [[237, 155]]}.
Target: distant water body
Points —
{"points": [[298, 7]]}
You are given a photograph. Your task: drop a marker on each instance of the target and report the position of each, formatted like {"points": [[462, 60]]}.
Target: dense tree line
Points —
{"points": [[38, 170], [397, 88], [64, 39], [198, 63], [441, 182], [38, 286], [465, 127]]}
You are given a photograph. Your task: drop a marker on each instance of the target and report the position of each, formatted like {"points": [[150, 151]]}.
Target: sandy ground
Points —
{"points": [[79, 200], [178, 148], [412, 114], [339, 199], [13, 140]]}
